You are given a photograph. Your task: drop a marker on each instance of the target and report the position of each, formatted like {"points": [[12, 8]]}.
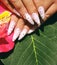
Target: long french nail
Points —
{"points": [[28, 18], [41, 12], [30, 31], [11, 27], [23, 33], [36, 18], [16, 34], [17, 13]]}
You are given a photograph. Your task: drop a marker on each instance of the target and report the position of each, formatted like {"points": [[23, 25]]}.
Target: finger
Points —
{"points": [[31, 30], [22, 10], [50, 11], [24, 32], [18, 29], [8, 5], [42, 6], [44, 3], [12, 24], [27, 29], [32, 10]]}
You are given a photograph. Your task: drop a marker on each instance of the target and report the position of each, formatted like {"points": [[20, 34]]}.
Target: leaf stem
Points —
{"points": [[34, 49]]}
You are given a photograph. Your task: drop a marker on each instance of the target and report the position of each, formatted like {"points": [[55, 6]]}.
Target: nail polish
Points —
{"points": [[11, 27], [23, 33], [17, 13], [16, 34], [28, 18], [30, 31], [41, 12], [36, 18]]}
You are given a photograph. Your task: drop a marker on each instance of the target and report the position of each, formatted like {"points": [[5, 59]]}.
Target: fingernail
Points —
{"points": [[23, 33], [11, 27], [29, 19], [16, 34], [17, 13], [30, 31], [36, 18], [41, 12]]}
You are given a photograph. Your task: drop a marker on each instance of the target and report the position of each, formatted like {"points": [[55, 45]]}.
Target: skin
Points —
{"points": [[50, 6], [20, 24]]}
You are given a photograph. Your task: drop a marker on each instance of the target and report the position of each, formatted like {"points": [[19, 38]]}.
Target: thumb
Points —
{"points": [[52, 10]]}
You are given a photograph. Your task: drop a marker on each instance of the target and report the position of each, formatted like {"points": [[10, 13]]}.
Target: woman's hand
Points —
{"points": [[29, 9], [44, 8], [20, 26]]}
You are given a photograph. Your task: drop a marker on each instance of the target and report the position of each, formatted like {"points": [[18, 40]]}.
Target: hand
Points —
{"points": [[21, 28], [51, 9], [32, 8]]}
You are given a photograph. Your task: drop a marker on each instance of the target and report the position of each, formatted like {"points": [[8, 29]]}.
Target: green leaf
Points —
{"points": [[40, 48]]}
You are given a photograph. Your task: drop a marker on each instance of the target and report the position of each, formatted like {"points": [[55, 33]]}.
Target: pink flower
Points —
{"points": [[6, 43]]}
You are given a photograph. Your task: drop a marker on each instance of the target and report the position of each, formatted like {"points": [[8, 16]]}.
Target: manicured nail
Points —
{"points": [[17, 13], [28, 18], [30, 31], [23, 33], [41, 12], [36, 18], [11, 27], [16, 34]]}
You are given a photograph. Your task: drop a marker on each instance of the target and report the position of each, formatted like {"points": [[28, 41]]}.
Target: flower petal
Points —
{"points": [[6, 44]]}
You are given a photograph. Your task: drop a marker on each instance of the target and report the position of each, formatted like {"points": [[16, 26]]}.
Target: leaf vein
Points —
{"points": [[34, 49]]}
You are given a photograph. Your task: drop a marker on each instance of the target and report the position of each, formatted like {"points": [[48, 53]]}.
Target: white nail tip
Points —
{"points": [[16, 34], [11, 27], [30, 31], [16, 12], [29, 19], [41, 12], [23, 33], [36, 18]]}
